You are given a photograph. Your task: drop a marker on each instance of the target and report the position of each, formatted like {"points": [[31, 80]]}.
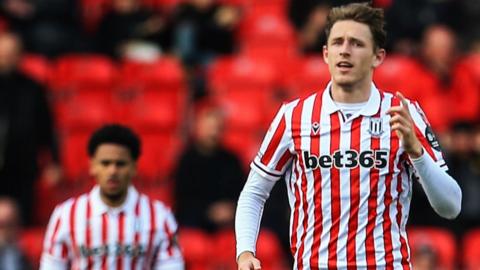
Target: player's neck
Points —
{"points": [[356, 93], [114, 201]]}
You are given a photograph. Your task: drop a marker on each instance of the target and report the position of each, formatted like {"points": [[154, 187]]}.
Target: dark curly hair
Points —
{"points": [[116, 134]]}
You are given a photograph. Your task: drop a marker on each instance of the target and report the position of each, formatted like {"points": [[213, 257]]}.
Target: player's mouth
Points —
{"points": [[113, 183], [344, 66]]}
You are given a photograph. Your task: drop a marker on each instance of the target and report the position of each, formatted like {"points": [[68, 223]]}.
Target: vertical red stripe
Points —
{"points": [[372, 209], [136, 238], [403, 242], [335, 192], [104, 240], [64, 251], [72, 227], [294, 229], [153, 229], [354, 197], [121, 239], [296, 133], [169, 237], [54, 235], [275, 141], [387, 222], [317, 185], [88, 234], [283, 160]]}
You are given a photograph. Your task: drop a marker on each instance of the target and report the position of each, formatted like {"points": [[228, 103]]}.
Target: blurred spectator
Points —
{"points": [[408, 19], [463, 162], [309, 18], [208, 177], [129, 30], [424, 258], [203, 29], [437, 55], [26, 130], [469, 25], [11, 257], [48, 27], [439, 51]]}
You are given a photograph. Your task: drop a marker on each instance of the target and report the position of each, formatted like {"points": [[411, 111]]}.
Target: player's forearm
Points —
{"points": [[249, 211], [443, 192]]}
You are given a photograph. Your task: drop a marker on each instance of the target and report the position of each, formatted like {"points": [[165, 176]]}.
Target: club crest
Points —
{"points": [[375, 127]]}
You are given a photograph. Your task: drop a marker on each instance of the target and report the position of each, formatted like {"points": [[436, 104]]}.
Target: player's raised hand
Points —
{"points": [[401, 121], [247, 261]]}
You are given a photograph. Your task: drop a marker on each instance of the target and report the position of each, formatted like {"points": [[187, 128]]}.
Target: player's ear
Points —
{"points": [[379, 56], [92, 166], [325, 54]]}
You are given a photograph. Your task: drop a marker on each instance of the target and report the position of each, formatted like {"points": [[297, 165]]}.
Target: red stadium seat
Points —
{"points": [[399, 73], [84, 110], [164, 74], [471, 250], [306, 75], [242, 73], [31, 243], [74, 156], [155, 110], [80, 72], [267, 31], [159, 154], [197, 248], [36, 66], [269, 251], [464, 93], [440, 240]]}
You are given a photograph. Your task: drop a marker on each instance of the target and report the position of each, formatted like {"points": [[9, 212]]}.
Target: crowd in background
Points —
{"points": [[437, 42]]}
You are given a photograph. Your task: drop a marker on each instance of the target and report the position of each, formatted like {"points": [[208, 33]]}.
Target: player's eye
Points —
{"points": [[105, 163], [121, 163]]}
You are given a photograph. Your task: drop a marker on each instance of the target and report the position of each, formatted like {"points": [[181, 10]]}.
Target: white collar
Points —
{"points": [[99, 207], [371, 108]]}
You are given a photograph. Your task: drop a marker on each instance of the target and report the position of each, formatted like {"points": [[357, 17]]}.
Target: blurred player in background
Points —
{"points": [[113, 226], [349, 154]]}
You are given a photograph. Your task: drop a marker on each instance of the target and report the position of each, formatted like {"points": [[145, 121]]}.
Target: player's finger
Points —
{"points": [[256, 265], [404, 101], [397, 110], [399, 119]]}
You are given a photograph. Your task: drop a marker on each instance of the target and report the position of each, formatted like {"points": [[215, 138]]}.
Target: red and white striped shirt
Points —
{"points": [[84, 233], [348, 181]]}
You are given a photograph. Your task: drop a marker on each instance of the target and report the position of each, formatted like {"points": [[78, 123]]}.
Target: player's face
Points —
{"points": [[350, 53], [113, 167]]}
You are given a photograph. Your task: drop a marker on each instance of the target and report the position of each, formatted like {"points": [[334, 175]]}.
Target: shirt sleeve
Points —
{"points": [[274, 154], [169, 255], [249, 211], [55, 249], [425, 134]]}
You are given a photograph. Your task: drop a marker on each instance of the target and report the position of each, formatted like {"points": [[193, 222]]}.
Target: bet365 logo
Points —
{"points": [[347, 159]]}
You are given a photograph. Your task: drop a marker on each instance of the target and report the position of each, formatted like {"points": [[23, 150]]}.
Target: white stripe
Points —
{"points": [[80, 227], [326, 189], [364, 195], [384, 145], [397, 255], [345, 139], [305, 143], [112, 240]]}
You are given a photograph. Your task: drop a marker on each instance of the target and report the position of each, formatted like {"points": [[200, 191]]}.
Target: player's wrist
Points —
{"points": [[415, 152], [245, 255]]}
